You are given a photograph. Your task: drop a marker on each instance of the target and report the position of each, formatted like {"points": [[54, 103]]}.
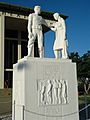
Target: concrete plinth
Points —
{"points": [[45, 89]]}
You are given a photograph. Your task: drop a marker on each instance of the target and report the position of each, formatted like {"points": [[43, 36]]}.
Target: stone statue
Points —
{"points": [[48, 92], [65, 50], [42, 92], [59, 92], [55, 92], [64, 92], [35, 22], [60, 44]]}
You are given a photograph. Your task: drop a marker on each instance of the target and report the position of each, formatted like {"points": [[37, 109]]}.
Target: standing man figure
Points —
{"points": [[64, 92], [35, 31], [55, 92], [48, 92]]}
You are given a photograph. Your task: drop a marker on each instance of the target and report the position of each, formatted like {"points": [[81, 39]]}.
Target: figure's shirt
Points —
{"points": [[58, 26], [36, 21]]}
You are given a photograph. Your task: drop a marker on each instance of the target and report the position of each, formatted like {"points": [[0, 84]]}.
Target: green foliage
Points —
{"points": [[83, 71], [82, 99], [83, 64]]}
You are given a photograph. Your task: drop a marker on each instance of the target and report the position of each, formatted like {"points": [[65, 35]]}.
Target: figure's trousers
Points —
{"points": [[57, 54], [37, 33]]}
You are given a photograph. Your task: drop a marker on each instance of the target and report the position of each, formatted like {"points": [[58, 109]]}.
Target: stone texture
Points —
{"points": [[27, 73]]}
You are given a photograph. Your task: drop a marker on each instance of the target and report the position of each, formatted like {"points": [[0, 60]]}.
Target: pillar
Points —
{"points": [[19, 45], [2, 21]]}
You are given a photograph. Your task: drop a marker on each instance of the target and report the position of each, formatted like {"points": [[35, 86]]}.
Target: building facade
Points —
{"points": [[14, 38]]}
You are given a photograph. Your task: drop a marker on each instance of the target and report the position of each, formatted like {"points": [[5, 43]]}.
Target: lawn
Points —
{"points": [[82, 99]]}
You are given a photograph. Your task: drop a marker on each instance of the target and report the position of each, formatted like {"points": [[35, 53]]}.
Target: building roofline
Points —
{"points": [[21, 10]]}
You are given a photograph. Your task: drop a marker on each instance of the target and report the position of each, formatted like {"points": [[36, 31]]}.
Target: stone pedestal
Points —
{"points": [[45, 89]]}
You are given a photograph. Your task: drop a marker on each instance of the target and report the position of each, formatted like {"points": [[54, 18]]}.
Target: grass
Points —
{"points": [[82, 99]]}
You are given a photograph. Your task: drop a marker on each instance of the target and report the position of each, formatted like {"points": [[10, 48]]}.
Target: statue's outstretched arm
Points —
{"points": [[45, 23]]}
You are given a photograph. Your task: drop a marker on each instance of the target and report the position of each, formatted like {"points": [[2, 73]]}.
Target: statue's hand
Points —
{"points": [[53, 29]]}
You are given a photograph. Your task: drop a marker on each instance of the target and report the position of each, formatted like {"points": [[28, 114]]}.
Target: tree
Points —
{"points": [[83, 64], [74, 56], [83, 69]]}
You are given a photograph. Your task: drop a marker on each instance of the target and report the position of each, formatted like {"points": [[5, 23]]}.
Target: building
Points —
{"points": [[14, 38]]}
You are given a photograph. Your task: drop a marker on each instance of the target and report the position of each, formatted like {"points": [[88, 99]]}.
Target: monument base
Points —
{"points": [[45, 89]]}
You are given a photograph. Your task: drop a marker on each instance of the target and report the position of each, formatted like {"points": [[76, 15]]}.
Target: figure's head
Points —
{"points": [[56, 16], [37, 9]]}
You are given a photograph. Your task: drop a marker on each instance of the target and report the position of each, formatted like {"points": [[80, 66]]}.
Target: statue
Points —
{"points": [[35, 22], [59, 92], [42, 91], [65, 50], [55, 92], [64, 92], [60, 44], [48, 92]]}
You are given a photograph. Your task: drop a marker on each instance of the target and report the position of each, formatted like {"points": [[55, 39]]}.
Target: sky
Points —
{"points": [[78, 22]]}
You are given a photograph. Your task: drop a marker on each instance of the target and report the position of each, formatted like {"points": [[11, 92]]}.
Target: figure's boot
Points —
{"points": [[63, 54], [41, 54], [57, 54], [66, 53]]}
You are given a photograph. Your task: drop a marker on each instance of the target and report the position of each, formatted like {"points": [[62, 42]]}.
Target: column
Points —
{"points": [[2, 21], [19, 45]]}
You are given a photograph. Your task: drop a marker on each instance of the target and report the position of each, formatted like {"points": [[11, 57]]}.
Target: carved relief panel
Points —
{"points": [[52, 92]]}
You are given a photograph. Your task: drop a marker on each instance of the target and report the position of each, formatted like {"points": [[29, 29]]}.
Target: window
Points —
{"points": [[11, 56], [24, 49], [11, 33], [8, 79], [11, 53], [24, 34]]}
